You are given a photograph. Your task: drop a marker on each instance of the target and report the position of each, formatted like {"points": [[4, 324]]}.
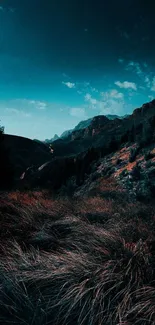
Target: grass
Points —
{"points": [[88, 260]]}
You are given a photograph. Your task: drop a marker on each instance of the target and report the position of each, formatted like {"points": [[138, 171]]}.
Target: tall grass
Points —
{"points": [[79, 261]]}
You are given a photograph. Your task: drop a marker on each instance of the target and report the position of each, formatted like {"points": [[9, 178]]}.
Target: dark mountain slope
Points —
{"points": [[102, 131], [25, 152], [81, 125], [79, 155]]}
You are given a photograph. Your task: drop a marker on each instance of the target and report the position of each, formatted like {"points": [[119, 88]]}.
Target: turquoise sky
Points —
{"points": [[65, 61]]}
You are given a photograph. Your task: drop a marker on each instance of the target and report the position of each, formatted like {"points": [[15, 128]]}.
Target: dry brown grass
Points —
{"points": [[83, 261]]}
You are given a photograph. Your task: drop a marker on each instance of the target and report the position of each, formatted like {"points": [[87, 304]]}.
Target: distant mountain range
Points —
{"points": [[73, 154], [100, 130], [123, 148], [81, 125]]}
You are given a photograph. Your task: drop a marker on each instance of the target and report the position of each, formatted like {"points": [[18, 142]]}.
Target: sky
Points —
{"points": [[63, 61]]}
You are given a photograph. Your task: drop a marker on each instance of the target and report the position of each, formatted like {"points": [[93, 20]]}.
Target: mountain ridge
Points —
{"points": [[101, 130], [40, 164], [123, 149], [81, 125]]}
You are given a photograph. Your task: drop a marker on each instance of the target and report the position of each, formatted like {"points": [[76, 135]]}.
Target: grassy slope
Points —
{"points": [[77, 261]]}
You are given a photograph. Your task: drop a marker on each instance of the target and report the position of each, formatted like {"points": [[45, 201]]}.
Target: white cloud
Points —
{"points": [[112, 102], [41, 105], [126, 85], [78, 112], [18, 112], [113, 93], [94, 90], [38, 104], [85, 88], [136, 67], [112, 106], [32, 102], [65, 75], [86, 84], [150, 97], [153, 85], [142, 87], [12, 110], [69, 84], [91, 100], [147, 81], [22, 107], [27, 104], [87, 97], [120, 60], [116, 94], [145, 75]]}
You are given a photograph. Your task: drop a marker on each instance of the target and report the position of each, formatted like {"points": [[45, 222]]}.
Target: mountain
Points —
{"points": [[66, 133], [56, 137], [123, 148], [100, 131], [112, 117], [81, 125]]}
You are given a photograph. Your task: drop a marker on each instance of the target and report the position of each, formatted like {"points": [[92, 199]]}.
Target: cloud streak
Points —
{"points": [[90, 99], [38, 104], [112, 102], [78, 112], [153, 85], [116, 94], [109, 102], [135, 66], [142, 71], [18, 112], [126, 85], [69, 84]]}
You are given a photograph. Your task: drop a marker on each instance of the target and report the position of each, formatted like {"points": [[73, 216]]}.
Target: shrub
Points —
{"points": [[148, 155], [149, 164], [133, 153], [69, 188], [143, 191], [118, 161], [95, 176], [124, 173], [113, 145], [136, 172], [111, 170]]}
